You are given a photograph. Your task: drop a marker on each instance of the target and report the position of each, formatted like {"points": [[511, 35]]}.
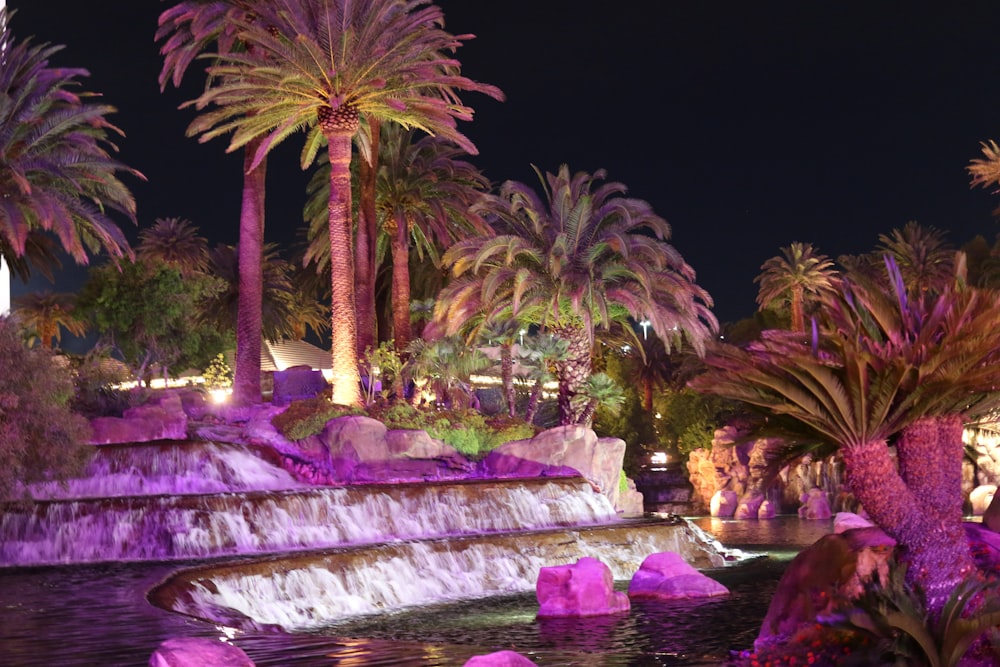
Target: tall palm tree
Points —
{"points": [[46, 314], [424, 194], [188, 29], [57, 173], [789, 278], [883, 368], [578, 257], [540, 354], [174, 242], [319, 66], [504, 332]]}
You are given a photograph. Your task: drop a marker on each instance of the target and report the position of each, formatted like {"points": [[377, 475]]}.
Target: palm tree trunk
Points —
{"points": [[533, 400], [647, 394], [930, 455], [401, 284], [936, 551], [507, 376], [343, 323], [364, 249], [572, 372], [246, 379], [798, 314]]}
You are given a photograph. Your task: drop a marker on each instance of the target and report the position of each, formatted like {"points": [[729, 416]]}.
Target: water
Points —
{"points": [[98, 613]]}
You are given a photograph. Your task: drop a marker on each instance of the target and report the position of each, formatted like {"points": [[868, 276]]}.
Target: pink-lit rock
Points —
{"points": [[723, 503], [585, 588], [981, 497], [667, 576], [163, 419], [767, 510], [198, 652], [749, 506], [499, 659], [562, 450], [844, 521], [815, 505]]}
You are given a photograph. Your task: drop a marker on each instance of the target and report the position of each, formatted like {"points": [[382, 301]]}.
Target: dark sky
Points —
{"points": [[746, 125]]}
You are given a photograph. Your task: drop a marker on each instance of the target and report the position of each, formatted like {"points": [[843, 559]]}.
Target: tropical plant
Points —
{"points": [[45, 315], [883, 368], [40, 437], [188, 29], [287, 308], [599, 390], [57, 175], [924, 259], [798, 273], [174, 242], [504, 333], [578, 257], [319, 66], [985, 171], [382, 368], [444, 367], [540, 354], [218, 375], [423, 196]]}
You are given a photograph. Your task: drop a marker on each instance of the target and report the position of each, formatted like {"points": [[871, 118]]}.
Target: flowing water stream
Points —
{"points": [[96, 612]]}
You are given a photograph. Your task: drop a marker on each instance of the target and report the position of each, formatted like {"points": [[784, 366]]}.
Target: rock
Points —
{"points": [[991, 517], [981, 497], [723, 504], [499, 659], [551, 452], [198, 652], [163, 419], [630, 503], [667, 576], [844, 521], [297, 383], [767, 510], [749, 506], [815, 505], [585, 588], [835, 567]]}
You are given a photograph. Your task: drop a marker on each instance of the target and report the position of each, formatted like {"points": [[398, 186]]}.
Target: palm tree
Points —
{"points": [[445, 366], [504, 333], [424, 194], [57, 175], [287, 309], [540, 354], [189, 29], [579, 257], [46, 314], [883, 368], [792, 276], [174, 242], [985, 171], [924, 259], [600, 391], [319, 66]]}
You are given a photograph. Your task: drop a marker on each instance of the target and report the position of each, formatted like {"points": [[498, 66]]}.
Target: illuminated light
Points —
{"points": [[522, 332], [220, 395], [626, 349], [645, 324], [659, 458]]}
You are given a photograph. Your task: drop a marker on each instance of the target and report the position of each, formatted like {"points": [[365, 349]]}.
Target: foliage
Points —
{"points": [[308, 417], [44, 315], [382, 365], [57, 175], [688, 418], [445, 366], [96, 377], [40, 437], [792, 277], [218, 375], [149, 314], [895, 615]]}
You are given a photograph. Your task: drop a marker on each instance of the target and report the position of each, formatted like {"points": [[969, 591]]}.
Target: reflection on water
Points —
{"points": [[97, 614]]}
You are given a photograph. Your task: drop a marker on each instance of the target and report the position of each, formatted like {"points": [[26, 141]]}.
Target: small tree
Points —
{"points": [[40, 437]]}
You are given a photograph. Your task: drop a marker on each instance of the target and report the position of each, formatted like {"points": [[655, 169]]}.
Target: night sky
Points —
{"points": [[746, 125]]}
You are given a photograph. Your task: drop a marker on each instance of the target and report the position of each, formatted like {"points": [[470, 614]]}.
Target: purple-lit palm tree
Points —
{"points": [[318, 66], [57, 173], [189, 29], [924, 259], [883, 368], [46, 314], [578, 257], [174, 242]]}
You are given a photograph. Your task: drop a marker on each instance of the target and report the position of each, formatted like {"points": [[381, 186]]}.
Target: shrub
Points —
{"points": [[96, 380], [308, 417], [41, 438]]}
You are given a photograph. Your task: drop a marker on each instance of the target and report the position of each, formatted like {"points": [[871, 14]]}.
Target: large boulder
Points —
{"points": [[836, 567], [564, 450], [723, 504], [815, 505], [667, 576], [585, 588], [499, 659], [981, 497], [161, 419], [198, 652]]}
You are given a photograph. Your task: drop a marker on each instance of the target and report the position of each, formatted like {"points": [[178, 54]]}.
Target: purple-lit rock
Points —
{"points": [[749, 506], [844, 521], [585, 588], [164, 419], [198, 652], [815, 505], [499, 659], [981, 497], [723, 503], [667, 576], [554, 451]]}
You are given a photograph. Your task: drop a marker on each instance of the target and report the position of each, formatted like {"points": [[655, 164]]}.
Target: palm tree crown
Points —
{"points": [[799, 272], [580, 256], [175, 242], [56, 170]]}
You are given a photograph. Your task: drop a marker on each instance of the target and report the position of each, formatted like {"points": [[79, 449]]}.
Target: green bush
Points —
{"points": [[41, 438], [308, 417], [96, 380]]}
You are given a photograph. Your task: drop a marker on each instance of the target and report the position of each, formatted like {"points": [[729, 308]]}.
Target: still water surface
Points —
{"points": [[97, 615]]}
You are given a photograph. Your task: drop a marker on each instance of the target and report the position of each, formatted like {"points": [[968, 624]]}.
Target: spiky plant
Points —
{"points": [[798, 274]]}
